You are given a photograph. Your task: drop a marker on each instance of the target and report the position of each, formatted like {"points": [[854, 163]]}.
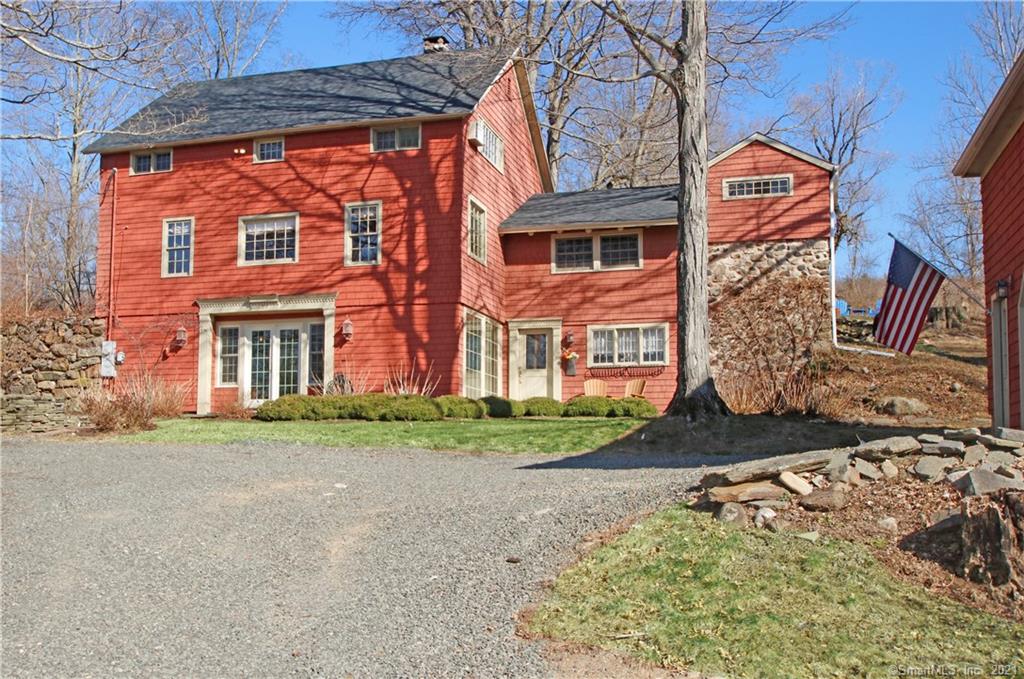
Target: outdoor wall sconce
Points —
{"points": [[1003, 288], [570, 338], [180, 338], [347, 329]]}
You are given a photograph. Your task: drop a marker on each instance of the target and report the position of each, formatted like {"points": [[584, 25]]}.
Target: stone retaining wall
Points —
{"points": [[46, 365]]}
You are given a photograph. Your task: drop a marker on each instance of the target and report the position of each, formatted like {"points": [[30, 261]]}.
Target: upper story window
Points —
{"points": [[490, 145], [757, 187], [147, 162], [268, 150], [625, 345], [597, 252], [395, 138], [268, 239], [177, 247], [477, 231], [362, 233]]}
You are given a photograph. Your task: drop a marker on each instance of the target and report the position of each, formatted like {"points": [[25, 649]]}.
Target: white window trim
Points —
{"points": [[266, 262], [217, 360], [485, 320], [499, 166], [725, 186], [596, 264], [266, 140], [191, 250], [395, 128], [640, 327], [469, 229], [380, 233], [152, 162]]}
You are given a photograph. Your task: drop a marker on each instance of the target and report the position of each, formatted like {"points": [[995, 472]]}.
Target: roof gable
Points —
{"points": [[757, 137], [437, 84]]}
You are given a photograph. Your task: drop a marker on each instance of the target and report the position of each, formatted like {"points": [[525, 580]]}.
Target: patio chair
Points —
{"points": [[595, 388], [635, 388]]}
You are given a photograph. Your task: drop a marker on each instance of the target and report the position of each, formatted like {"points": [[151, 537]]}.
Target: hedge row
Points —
{"points": [[386, 407]]}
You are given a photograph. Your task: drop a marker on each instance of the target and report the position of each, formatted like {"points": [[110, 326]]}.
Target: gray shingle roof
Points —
{"points": [[438, 83], [607, 206]]}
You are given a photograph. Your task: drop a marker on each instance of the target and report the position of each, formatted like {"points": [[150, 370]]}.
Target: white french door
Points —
{"points": [[274, 361]]}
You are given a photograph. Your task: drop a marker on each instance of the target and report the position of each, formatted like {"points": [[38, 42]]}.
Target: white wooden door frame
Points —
{"points": [[1000, 362], [516, 356]]}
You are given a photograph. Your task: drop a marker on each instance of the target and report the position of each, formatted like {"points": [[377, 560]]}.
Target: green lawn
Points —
{"points": [[564, 435], [684, 591]]}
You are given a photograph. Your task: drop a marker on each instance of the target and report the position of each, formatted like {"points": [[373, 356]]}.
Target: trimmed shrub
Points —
{"points": [[633, 407], [541, 406], [589, 406], [460, 407], [411, 408], [285, 408], [503, 407]]}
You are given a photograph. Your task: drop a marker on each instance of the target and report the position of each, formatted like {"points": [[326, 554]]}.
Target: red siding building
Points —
{"points": [[366, 219], [995, 153]]}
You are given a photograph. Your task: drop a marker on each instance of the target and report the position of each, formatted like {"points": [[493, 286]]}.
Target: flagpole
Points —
{"points": [[945, 275]]}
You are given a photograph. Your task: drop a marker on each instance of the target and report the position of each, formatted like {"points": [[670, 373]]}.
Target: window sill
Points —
{"points": [[269, 262]]}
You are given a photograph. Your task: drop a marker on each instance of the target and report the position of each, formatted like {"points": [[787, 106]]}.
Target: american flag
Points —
{"points": [[911, 286]]}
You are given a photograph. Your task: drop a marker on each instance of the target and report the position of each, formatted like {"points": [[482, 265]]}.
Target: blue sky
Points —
{"points": [[917, 40]]}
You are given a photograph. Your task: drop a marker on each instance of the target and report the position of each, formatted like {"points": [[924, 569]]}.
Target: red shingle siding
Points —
{"points": [[803, 215], [1003, 229]]}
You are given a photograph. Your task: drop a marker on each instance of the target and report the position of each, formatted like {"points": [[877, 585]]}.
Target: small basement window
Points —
{"points": [[148, 162], [395, 138], [757, 187], [597, 252], [268, 150]]}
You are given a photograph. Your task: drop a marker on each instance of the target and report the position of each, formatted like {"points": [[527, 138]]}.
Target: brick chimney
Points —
{"points": [[435, 43]]}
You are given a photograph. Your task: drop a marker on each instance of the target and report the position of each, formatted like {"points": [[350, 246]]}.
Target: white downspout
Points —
{"points": [[832, 255]]}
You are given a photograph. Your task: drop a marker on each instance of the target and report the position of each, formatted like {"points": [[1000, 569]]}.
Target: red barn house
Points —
{"points": [[996, 154], [260, 233]]}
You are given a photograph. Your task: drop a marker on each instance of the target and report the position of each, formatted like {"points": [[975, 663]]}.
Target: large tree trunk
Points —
{"points": [[696, 396]]}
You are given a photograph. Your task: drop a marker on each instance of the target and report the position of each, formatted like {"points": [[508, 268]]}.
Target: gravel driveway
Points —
{"points": [[275, 560]]}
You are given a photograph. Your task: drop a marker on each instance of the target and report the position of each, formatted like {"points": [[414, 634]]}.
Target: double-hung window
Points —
{"points": [[757, 187], [482, 349], [477, 231], [316, 355], [148, 162], [268, 239], [268, 150], [491, 146], [395, 138], [362, 233], [597, 252], [627, 345], [177, 247], [227, 358]]}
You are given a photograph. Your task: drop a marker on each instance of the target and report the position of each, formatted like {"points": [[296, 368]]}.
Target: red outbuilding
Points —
{"points": [[261, 234], [995, 153]]}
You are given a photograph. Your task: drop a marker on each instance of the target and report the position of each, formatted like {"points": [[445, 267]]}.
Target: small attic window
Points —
{"points": [[148, 162], [757, 187]]}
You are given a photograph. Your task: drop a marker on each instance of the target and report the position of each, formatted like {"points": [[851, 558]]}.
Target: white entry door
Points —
{"points": [[536, 362], [272, 363]]}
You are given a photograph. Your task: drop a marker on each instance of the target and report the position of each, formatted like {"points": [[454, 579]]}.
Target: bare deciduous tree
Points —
{"points": [[225, 38], [944, 217]]}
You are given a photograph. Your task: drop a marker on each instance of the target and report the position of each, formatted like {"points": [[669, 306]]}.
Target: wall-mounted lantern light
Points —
{"points": [[1003, 288], [570, 338], [180, 338], [347, 329]]}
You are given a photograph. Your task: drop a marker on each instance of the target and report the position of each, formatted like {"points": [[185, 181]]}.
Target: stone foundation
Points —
{"points": [[46, 365], [735, 264]]}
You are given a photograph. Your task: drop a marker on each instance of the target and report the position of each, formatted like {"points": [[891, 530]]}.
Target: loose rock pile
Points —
{"points": [[985, 469]]}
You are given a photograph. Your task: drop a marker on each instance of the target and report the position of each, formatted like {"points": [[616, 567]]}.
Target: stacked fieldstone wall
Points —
{"points": [[46, 364], [743, 264]]}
